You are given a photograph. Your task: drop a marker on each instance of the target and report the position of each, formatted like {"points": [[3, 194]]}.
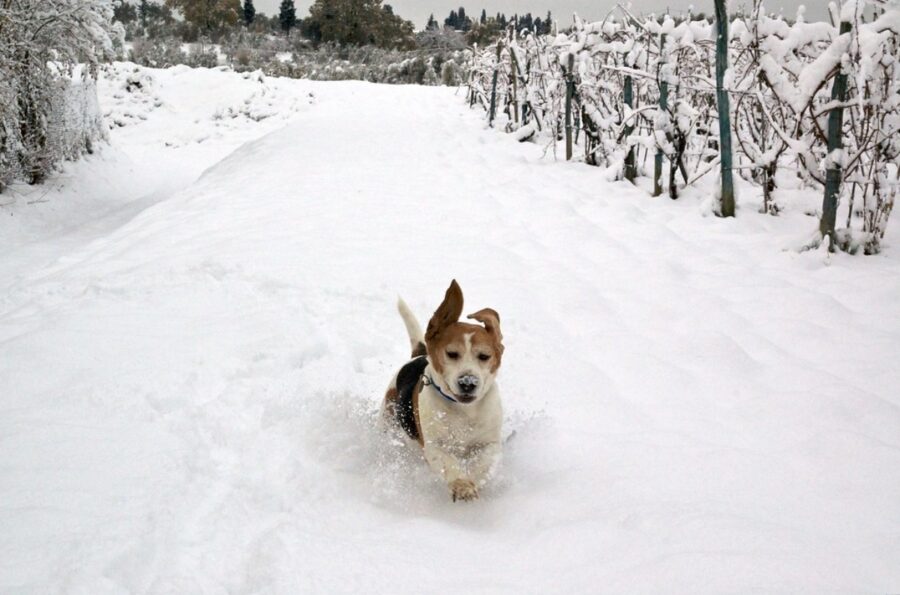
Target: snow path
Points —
{"points": [[165, 134], [187, 401]]}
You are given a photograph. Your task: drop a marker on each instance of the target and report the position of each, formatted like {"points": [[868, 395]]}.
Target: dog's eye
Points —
{"points": [[484, 357], [453, 354]]}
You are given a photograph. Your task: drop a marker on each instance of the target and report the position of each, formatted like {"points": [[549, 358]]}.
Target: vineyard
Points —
{"points": [[814, 105]]}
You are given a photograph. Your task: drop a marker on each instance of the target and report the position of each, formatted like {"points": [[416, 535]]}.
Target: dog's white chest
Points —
{"points": [[459, 425]]}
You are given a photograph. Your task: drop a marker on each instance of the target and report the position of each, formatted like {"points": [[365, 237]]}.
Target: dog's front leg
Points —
{"points": [[480, 461], [467, 472], [453, 470]]}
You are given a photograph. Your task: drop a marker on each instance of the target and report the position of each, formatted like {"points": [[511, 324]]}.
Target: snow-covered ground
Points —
{"points": [[197, 325]]}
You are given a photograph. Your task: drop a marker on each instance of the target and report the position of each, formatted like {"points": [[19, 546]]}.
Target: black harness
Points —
{"points": [[407, 379]]}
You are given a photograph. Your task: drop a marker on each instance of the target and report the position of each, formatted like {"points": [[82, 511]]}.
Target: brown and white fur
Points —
{"points": [[460, 437]]}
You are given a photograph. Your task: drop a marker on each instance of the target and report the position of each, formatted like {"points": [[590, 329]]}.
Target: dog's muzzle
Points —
{"points": [[468, 383]]}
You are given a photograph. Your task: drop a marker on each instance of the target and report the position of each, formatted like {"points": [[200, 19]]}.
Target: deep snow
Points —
{"points": [[188, 383]]}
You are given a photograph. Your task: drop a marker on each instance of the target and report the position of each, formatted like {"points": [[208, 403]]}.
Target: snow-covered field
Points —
{"points": [[197, 325]]}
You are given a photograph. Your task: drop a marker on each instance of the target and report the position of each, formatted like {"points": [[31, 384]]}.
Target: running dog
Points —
{"points": [[446, 397]]}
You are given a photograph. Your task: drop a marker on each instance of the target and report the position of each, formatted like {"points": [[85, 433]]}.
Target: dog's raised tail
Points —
{"points": [[416, 337]]}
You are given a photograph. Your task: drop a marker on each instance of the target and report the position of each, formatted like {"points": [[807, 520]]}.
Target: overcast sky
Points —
{"points": [[417, 11]]}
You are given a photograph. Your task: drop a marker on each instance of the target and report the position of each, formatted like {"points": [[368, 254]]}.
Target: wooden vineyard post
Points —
{"points": [[570, 92], [663, 108], [835, 143], [494, 87], [515, 75], [724, 105], [630, 167]]}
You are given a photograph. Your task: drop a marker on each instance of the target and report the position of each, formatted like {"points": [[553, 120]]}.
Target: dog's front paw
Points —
{"points": [[463, 489]]}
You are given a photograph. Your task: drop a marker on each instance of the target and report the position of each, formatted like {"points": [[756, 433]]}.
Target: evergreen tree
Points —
{"points": [[526, 23], [463, 22], [483, 18], [548, 24], [432, 24], [143, 9], [249, 12], [125, 13], [287, 16], [452, 21]]}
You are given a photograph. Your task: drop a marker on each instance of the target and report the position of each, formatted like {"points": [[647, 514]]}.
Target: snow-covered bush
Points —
{"points": [[49, 55], [202, 55], [641, 97], [367, 63], [75, 122], [451, 73], [297, 58], [157, 53], [870, 157]]}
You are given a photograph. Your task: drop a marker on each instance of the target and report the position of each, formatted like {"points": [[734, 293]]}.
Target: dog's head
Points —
{"points": [[465, 355]]}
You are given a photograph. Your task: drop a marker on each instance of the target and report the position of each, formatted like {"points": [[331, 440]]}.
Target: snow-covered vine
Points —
{"points": [[644, 93]]}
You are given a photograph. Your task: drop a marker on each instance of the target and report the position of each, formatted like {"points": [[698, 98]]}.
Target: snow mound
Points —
{"points": [[198, 105], [135, 98]]}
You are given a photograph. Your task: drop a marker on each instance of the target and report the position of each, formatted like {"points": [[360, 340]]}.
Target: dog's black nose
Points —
{"points": [[467, 384]]}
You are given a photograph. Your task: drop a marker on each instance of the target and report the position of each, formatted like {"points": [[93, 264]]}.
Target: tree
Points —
{"points": [[210, 15], [151, 18], [484, 34], [483, 18], [452, 21], [358, 22], [287, 16], [143, 10], [249, 12], [432, 24], [464, 23], [524, 23], [125, 13]]}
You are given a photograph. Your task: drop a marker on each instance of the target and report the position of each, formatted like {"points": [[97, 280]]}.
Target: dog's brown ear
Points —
{"points": [[447, 313], [491, 321]]}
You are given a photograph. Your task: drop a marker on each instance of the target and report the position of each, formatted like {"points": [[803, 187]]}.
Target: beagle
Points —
{"points": [[446, 397]]}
